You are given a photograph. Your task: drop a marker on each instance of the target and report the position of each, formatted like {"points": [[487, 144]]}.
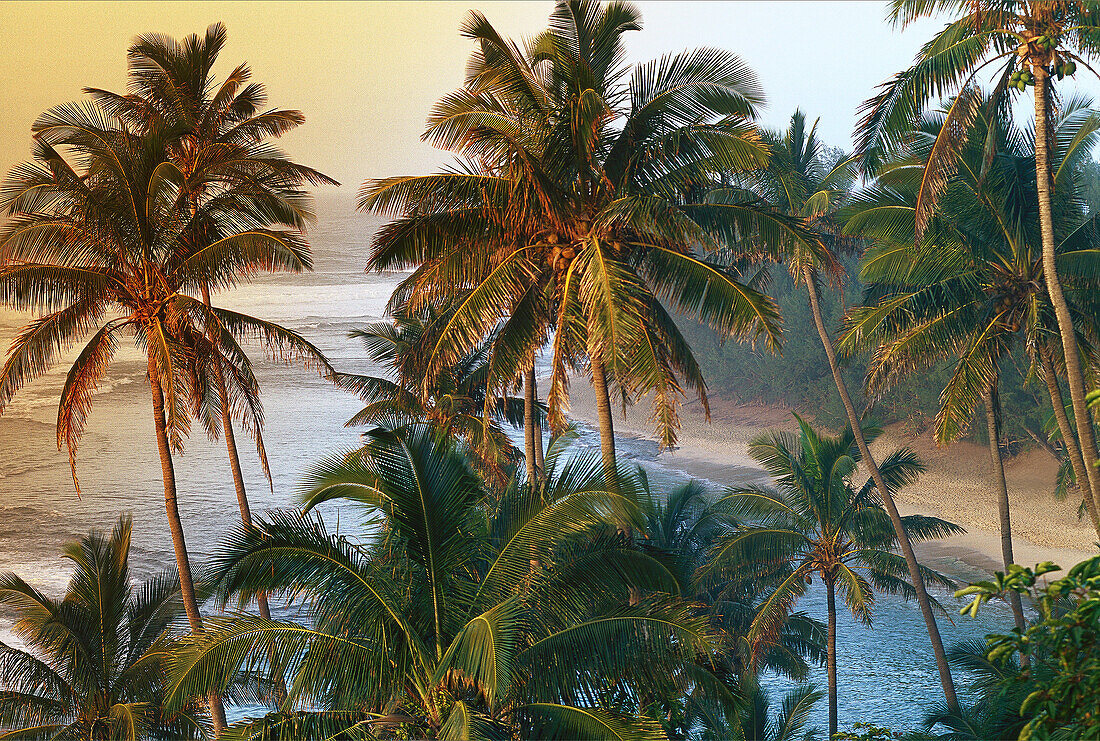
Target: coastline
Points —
{"points": [[955, 485]]}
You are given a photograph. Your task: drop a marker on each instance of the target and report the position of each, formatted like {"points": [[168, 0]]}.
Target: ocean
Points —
{"points": [[886, 674]]}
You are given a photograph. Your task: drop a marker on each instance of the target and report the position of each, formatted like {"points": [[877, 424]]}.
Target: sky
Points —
{"points": [[366, 74]]}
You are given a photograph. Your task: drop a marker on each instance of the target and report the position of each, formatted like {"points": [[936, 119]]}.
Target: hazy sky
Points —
{"points": [[366, 74]]}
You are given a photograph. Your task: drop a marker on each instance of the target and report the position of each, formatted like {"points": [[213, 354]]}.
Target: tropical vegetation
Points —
{"points": [[603, 221], [593, 192], [470, 613], [457, 400], [94, 659], [216, 136], [971, 287], [818, 522]]}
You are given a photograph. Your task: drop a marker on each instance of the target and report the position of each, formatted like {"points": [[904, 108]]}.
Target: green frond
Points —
{"points": [[563, 722]]}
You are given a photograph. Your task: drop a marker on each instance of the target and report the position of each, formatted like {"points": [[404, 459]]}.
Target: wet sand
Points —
{"points": [[956, 485]]}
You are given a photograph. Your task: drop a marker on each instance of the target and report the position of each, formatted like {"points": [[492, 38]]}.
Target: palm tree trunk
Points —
{"points": [[529, 427], [1069, 437], [830, 661], [540, 454], [993, 424], [1074, 375], [887, 499], [175, 527], [607, 449], [238, 481], [605, 420]]}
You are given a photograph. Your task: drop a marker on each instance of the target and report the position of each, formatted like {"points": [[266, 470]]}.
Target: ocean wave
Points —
{"points": [[12, 469]]}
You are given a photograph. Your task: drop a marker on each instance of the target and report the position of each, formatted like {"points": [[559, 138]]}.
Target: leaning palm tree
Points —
{"points": [[217, 135], [971, 289], [93, 666], [818, 522], [103, 250], [595, 166], [801, 180], [439, 624], [1024, 43]]}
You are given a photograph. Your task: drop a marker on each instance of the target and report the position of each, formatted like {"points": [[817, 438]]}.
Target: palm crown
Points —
{"points": [[592, 195], [94, 665], [467, 615], [105, 249]]}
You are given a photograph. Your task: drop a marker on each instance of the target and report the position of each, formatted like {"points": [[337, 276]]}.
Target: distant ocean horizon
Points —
{"points": [[119, 470]]}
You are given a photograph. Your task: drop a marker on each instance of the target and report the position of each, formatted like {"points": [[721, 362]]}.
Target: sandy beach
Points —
{"points": [[956, 485]]}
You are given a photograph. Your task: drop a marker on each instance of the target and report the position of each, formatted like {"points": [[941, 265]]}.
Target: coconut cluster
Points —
{"points": [[1041, 50], [560, 254], [1020, 79]]}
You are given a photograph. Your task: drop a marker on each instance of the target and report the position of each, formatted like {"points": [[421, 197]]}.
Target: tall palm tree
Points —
{"points": [[93, 667], [1024, 43], [598, 163], [218, 136], [818, 522], [436, 626], [971, 288], [455, 401], [801, 181], [104, 249]]}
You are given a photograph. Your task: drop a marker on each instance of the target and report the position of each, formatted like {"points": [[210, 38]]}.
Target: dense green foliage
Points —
{"points": [[93, 667], [1056, 695], [470, 613]]}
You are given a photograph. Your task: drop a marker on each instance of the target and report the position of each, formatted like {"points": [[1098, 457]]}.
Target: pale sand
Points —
{"points": [[956, 485]]}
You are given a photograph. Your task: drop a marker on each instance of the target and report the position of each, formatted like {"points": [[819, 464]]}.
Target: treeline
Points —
{"points": [[799, 377]]}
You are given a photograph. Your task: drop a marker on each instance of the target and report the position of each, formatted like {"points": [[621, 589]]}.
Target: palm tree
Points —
{"points": [[217, 135], [971, 288], [1026, 43], [760, 721], [818, 522], [681, 527], [436, 625], [800, 181], [454, 402], [106, 249], [596, 173], [93, 668]]}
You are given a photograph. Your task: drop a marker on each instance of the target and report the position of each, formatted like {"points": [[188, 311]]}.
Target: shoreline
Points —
{"points": [[955, 485]]}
